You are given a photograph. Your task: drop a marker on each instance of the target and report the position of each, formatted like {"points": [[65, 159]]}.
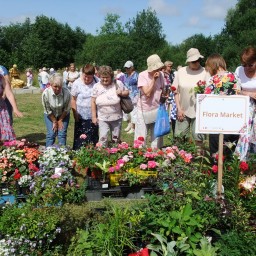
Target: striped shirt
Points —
{"points": [[56, 104]]}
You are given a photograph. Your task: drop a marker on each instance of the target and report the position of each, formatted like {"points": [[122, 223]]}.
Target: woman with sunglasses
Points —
{"points": [[247, 75]]}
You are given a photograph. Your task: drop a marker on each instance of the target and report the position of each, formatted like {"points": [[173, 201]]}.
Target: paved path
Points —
{"points": [[30, 90]]}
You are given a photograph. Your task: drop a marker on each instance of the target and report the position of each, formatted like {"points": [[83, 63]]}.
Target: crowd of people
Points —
{"points": [[93, 95]]}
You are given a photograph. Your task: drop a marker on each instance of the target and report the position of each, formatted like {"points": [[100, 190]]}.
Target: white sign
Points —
{"points": [[222, 114]]}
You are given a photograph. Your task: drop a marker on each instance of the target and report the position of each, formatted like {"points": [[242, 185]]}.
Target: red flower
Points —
{"points": [[149, 149], [160, 152], [231, 77], [173, 88], [217, 157], [17, 174], [207, 90], [243, 166], [141, 138], [215, 168]]}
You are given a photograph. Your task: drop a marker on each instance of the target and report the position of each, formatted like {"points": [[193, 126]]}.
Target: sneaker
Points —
{"points": [[129, 126], [131, 131]]}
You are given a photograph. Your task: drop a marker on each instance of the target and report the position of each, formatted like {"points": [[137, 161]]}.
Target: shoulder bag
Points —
{"points": [[125, 102]]}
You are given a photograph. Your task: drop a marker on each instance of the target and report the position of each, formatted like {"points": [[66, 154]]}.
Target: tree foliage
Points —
{"points": [[43, 43], [47, 42]]}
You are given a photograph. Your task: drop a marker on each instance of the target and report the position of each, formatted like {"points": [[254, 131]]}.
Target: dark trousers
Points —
{"points": [[88, 128], [214, 143]]}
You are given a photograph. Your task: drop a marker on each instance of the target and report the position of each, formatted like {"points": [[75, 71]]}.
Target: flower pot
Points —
{"points": [[4, 188]]}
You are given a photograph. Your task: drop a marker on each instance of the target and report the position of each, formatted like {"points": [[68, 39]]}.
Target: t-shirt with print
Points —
{"points": [[83, 94], [185, 81], [131, 83], [107, 101], [153, 101]]}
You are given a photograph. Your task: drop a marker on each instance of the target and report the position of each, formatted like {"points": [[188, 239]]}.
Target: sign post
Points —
{"points": [[222, 114], [220, 165]]}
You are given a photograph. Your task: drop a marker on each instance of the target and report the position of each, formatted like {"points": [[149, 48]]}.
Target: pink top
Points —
{"points": [[107, 101], [153, 101]]}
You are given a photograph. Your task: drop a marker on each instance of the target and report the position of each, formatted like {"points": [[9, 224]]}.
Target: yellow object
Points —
{"points": [[17, 83], [114, 179], [143, 173]]}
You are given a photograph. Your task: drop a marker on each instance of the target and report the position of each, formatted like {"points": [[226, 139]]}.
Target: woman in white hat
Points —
{"points": [[150, 84], [185, 80]]}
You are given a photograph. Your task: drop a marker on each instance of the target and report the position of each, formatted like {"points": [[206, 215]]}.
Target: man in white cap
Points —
{"points": [[185, 80], [130, 80], [150, 83]]}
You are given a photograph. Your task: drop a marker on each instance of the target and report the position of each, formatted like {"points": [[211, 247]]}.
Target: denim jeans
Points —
{"points": [[61, 134]]}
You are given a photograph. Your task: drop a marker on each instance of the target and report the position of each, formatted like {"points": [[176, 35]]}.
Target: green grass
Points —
{"points": [[32, 126]]}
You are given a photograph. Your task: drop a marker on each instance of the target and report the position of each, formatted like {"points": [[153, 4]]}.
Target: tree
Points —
{"points": [[112, 25], [146, 34], [239, 31]]}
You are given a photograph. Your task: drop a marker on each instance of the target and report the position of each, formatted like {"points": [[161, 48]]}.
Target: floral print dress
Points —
{"points": [[6, 130]]}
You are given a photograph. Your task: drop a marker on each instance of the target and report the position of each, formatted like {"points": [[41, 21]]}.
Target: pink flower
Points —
{"points": [[143, 166], [120, 162], [83, 136], [150, 155], [138, 143], [126, 158], [55, 176], [117, 167], [123, 145], [112, 150], [187, 157], [98, 145], [171, 155], [152, 164], [111, 169]]}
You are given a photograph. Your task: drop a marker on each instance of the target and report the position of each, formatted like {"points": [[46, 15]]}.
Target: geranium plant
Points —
{"points": [[17, 159]]}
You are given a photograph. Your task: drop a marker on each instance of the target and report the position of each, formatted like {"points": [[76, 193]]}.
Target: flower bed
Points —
{"points": [[186, 210]]}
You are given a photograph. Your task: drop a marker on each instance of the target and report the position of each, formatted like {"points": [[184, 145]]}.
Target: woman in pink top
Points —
{"points": [[150, 83], [105, 104]]}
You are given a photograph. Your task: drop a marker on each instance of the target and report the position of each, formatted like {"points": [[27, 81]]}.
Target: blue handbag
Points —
{"points": [[162, 124]]}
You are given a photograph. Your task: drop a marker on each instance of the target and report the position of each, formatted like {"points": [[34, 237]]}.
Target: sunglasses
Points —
{"points": [[195, 61], [248, 65]]}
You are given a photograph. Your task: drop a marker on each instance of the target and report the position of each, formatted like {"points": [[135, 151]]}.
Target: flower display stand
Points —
{"points": [[124, 192]]}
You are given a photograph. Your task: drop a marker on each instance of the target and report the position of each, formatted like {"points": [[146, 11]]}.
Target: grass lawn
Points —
{"points": [[32, 127]]}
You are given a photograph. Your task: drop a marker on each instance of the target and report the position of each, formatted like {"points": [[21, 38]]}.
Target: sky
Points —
{"points": [[180, 19]]}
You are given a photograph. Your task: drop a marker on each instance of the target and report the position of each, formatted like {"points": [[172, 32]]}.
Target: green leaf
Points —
{"points": [[177, 230]]}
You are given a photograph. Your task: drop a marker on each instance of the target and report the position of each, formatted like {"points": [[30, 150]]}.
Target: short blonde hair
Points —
{"points": [[214, 62], [168, 62]]}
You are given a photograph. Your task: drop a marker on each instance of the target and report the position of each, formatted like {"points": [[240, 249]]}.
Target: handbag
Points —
{"points": [[126, 103], [162, 125], [150, 116]]}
